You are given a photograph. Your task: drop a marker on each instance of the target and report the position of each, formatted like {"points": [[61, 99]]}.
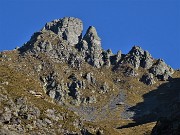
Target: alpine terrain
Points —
{"points": [[64, 83]]}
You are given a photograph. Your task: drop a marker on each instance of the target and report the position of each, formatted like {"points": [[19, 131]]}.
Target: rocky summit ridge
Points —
{"points": [[62, 40], [64, 82]]}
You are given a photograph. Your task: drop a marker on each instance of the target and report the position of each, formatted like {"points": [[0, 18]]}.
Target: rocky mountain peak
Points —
{"points": [[161, 70], [68, 28], [92, 35], [137, 57], [61, 82], [136, 51], [62, 41]]}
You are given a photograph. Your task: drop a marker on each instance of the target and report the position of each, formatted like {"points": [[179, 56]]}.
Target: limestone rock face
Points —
{"points": [[68, 28], [90, 78], [62, 41], [92, 42], [118, 56], [139, 58], [161, 70], [54, 89], [107, 57], [129, 71], [59, 82]]}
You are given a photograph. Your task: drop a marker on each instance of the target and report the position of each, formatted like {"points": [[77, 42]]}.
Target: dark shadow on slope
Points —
{"points": [[157, 104]]}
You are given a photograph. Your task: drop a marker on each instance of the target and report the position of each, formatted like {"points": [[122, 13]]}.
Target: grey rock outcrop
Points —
{"points": [[58, 50], [68, 28], [73, 90], [131, 72], [126, 69], [91, 45], [75, 61], [161, 70], [61, 91], [61, 40], [90, 78], [107, 57], [148, 79], [52, 114], [104, 88], [138, 58], [55, 90], [118, 57]]}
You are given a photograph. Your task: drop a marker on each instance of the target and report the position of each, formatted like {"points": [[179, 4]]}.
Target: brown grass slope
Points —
{"points": [[20, 75]]}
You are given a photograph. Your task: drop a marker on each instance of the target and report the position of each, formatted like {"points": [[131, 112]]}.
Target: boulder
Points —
{"points": [[148, 79], [52, 114], [104, 88], [130, 72], [90, 78], [73, 77], [90, 99]]}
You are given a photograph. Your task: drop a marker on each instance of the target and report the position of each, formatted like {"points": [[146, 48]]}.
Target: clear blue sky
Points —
{"points": [[152, 24]]}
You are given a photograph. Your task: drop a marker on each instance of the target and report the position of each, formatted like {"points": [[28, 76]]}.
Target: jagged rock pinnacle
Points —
{"points": [[62, 40], [69, 28], [93, 41], [84, 83], [137, 57], [91, 35]]}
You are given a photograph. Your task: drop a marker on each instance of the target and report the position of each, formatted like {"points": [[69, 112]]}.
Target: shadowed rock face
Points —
{"points": [[169, 125], [148, 79]]}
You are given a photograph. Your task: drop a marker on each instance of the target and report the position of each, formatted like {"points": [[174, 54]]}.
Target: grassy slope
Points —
{"points": [[22, 77]]}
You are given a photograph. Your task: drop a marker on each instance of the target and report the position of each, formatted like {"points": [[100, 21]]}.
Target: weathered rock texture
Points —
{"points": [[139, 58], [148, 79], [61, 79], [161, 70], [68, 28], [91, 47], [62, 40]]}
